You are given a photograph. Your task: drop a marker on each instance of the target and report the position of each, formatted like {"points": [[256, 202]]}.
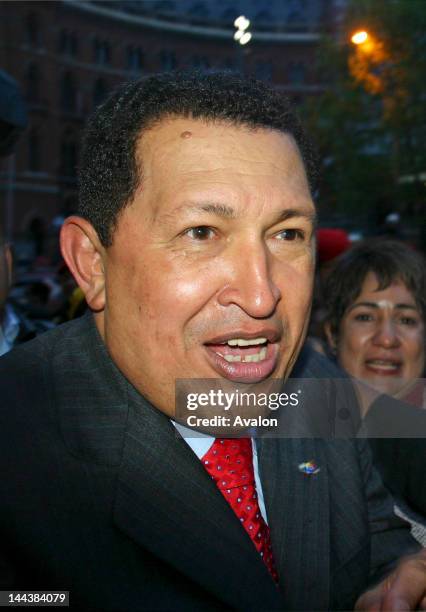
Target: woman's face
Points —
{"points": [[382, 337]]}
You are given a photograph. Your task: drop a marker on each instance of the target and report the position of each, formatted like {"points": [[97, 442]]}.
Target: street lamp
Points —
{"points": [[360, 37], [242, 35]]}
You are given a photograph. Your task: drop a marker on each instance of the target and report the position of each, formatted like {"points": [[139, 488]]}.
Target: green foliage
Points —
{"points": [[370, 122]]}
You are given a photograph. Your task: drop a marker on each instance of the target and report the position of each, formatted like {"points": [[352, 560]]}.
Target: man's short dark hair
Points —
{"points": [[109, 173], [389, 260]]}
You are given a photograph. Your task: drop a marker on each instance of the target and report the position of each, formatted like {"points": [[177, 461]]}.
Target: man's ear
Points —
{"points": [[84, 255], [331, 338]]}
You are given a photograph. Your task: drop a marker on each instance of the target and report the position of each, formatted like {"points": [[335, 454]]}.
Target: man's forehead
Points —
{"points": [[187, 134], [218, 167]]}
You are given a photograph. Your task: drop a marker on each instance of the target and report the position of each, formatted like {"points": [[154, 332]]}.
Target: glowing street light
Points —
{"points": [[360, 37], [241, 23], [245, 38], [242, 35]]}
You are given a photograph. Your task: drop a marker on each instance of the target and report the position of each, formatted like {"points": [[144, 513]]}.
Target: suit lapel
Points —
{"points": [[297, 508], [297, 503], [168, 504]]}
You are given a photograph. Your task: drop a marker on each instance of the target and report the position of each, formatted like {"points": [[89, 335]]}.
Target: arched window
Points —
{"points": [[33, 84], [34, 161], [100, 91], [68, 93]]}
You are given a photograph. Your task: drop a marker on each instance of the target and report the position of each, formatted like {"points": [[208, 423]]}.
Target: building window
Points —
{"points": [[34, 161], [100, 91], [33, 84], [68, 43], [101, 52], [33, 34], [296, 73], [168, 60], [134, 58], [68, 93], [68, 160]]}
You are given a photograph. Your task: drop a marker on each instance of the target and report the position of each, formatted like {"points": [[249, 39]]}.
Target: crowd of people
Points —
{"points": [[193, 255]]}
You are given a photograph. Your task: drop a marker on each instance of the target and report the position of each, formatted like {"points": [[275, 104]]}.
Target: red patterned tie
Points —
{"points": [[230, 464]]}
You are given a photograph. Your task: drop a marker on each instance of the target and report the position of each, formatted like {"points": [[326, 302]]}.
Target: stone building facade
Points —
{"points": [[67, 55]]}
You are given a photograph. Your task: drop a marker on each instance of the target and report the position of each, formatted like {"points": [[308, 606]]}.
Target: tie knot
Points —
{"points": [[230, 463]]}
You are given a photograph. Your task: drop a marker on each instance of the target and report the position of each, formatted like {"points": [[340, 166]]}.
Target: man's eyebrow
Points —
{"points": [[227, 212], [221, 210], [293, 213]]}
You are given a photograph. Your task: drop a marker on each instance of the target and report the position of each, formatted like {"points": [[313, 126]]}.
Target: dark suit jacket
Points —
{"points": [[397, 435], [100, 496]]}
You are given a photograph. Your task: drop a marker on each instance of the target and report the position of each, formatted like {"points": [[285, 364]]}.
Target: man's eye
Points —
{"points": [[202, 232], [291, 235]]}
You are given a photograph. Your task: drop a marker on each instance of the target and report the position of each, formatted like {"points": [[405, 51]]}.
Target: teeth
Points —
{"points": [[385, 365], [243, 342], [260, 356]]}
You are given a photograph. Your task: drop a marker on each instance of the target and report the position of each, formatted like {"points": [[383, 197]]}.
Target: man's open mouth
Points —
{"points": [[243, 358]]}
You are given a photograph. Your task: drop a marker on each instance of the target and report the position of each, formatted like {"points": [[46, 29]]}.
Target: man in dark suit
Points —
{"points": [[194, 248]]}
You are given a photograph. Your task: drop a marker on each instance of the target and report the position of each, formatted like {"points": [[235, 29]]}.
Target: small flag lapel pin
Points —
{"points": [[309, 467]]}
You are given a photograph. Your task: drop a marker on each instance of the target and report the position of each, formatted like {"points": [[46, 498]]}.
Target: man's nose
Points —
{"points": [[249, 281], [386, 334]]}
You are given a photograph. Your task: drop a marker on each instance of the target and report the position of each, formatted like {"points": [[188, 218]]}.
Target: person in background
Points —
{"points": [[375, 302], [15, 327], [7, 323], [331, 243]]}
